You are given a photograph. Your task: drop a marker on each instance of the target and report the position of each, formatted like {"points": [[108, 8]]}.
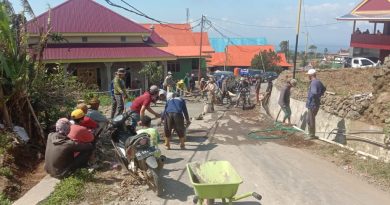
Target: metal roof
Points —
{"points": [[84, 16]]}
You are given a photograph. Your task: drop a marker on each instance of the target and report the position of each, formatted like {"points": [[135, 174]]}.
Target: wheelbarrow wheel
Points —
{"points": [[195, 199], [257, 196]]}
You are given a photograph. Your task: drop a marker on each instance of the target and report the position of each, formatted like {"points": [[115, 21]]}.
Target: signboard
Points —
{"points": [[244, 72]]}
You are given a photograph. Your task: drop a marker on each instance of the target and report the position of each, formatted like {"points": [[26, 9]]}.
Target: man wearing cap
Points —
{"points": [[142, 103], [119, 92], [315, 91], [87, 122], [284, 100], [60, 161], [169, 82], [77, 132]]}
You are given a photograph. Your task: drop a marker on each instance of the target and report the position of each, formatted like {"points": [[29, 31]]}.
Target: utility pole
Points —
{"points": [[200, 49], [188, 15], [307, 43], [288, 51], [297, 37]]}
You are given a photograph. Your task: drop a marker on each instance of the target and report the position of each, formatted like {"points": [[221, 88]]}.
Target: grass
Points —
{"points": [[105, 100], [4, 200], [70, 189], [6, 171], [5, 142]]}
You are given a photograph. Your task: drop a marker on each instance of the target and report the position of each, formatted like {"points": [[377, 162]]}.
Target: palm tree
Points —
{"points": [[284, 47]]}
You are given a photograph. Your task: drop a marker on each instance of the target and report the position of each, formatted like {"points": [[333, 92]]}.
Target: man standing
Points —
{"points": [[174, 114], [169, 82], [119, 92], [284, 100], [316, 90], [211, 88], [142, 103], [257, 88], [187, 82]]}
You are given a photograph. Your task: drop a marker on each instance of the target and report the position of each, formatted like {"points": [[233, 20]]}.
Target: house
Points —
{"points": [[219, 44], [375, 42], [241, 57], [98, 41], [184, 44]]}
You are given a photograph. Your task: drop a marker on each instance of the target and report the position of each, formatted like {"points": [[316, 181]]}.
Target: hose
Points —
{"points": [[267, 136]]}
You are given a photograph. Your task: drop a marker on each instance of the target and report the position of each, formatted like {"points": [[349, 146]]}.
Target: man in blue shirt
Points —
{"points": [[173, 116], [316, 90]]}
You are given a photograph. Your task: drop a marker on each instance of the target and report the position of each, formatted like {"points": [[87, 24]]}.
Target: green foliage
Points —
{"points": [[6, 171], [304, 61], [284, 48], [153, 71], [69, 189], [5, 143], [4, 200], [266, 60], [105, 100], [55, 95]]}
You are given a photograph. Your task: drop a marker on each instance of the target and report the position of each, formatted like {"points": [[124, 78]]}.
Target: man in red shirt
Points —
{"points": [[142, 103], [86, 121], [77, 132]]}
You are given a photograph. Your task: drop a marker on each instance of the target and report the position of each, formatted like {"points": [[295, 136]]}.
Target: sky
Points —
{"points": [[260, 17]]}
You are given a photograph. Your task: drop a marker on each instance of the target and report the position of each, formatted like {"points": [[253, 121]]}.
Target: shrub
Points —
{"points": [[4, 200]]}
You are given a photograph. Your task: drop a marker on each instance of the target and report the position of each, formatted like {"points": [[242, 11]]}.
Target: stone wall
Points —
{"points": [[334, 128]]}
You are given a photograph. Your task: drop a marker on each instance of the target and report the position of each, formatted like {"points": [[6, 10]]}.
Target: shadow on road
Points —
{"points": [[175, 190]]}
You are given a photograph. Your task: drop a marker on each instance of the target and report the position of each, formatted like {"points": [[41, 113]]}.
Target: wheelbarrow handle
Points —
{"points": [[246, 195]]}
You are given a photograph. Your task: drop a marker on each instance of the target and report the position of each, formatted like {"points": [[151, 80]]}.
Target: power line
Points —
{"points": [[273, 27], [134, 10]]}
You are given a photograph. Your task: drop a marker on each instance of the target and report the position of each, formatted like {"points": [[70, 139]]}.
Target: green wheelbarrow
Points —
{"points": [[216, 180]]}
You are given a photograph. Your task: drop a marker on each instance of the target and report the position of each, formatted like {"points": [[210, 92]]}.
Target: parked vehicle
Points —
{"points": [[135, 152], [375, 60], [266, 76], [362, 63]]}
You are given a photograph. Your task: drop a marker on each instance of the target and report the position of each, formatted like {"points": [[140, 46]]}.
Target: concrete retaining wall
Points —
{"points": [[327, 123]]}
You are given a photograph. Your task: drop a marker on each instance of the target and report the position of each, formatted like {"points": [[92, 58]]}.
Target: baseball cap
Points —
{"points": [[121, 71], [311, 72]]}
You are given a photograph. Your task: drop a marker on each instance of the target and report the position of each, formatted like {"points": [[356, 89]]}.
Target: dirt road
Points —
{"points": [[281, 174]]}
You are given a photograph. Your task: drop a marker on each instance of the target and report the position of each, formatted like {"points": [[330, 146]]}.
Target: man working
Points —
{"points": [[316, 90], [119, 93], [169, 83], [142, 103], [174, 114], [284, 100], [211, 89], [60, 161]]}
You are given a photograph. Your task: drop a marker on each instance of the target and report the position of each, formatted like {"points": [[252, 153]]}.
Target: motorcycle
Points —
{"points": [[134, 151]]}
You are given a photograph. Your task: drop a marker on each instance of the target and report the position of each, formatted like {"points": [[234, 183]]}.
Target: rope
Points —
{"points": [[265, 134]]}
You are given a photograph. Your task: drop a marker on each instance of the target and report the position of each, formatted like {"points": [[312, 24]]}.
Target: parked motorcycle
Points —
{"points": [[135, 152]]}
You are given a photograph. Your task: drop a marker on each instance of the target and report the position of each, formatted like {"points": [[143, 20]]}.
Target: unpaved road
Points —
{"points": [[281, 174]]}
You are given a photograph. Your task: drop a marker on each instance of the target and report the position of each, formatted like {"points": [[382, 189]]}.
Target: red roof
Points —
{"points": [[85, 16], [241, 56], [373, 6], [182, 41], [90, 52]]}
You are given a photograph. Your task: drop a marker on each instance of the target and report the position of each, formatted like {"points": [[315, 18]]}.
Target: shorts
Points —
{"points": [[174, 121]]}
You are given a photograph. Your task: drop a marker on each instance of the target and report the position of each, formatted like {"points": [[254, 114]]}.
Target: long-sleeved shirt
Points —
{"points": [[60, 153], [177, 105], [316, 90], [284, 99], [119, 86]]}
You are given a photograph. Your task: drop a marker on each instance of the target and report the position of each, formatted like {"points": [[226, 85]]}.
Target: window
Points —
{"points": [[173, 66], [366, 62], [84, 39], [123, 39], [356, 62], [195, 64]]}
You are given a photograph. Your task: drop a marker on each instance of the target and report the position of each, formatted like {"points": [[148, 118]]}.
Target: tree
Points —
{"points": [[313, 50], [266, 61], [326, 51], [153, 72], [284, 48]]}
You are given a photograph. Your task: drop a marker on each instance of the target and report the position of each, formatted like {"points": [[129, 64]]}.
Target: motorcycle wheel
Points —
{"points": [[156, 181]]}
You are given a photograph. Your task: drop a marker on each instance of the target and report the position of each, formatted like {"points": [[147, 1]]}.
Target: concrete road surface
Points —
{"points": [[281, 174]]}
